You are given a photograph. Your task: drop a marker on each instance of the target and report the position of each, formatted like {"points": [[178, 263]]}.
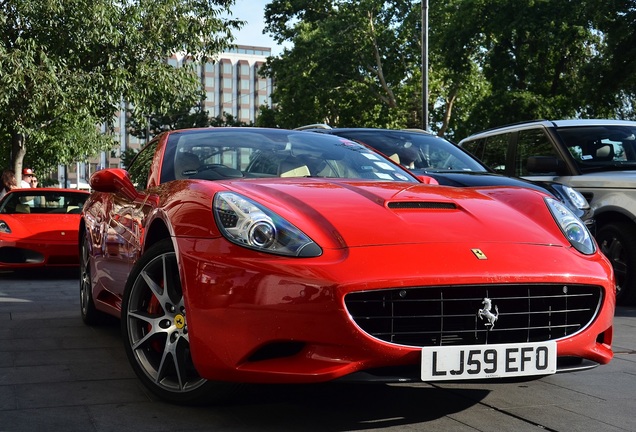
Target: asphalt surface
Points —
{"points": [[56, 374]]}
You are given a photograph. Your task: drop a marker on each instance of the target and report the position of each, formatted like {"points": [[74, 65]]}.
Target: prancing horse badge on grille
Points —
{"points": [[485, 313]]}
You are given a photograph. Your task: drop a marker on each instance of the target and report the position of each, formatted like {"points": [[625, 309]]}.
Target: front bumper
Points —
{"points": [[33, 253], [261, 318]]}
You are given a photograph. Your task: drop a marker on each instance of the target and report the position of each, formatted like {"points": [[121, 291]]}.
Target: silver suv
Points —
{"points": [[595, 157]]}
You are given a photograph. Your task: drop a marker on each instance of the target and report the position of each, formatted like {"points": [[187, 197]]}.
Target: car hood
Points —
{"points": [[402, 213], [473, 178], [46, 227]]}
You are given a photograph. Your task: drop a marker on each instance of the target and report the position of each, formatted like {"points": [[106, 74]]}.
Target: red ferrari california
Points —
{"points": [[38, 227], [272, 256]]}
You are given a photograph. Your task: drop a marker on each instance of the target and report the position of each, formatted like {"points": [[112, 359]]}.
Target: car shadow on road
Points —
{"points": [[625, 311], [41, 273], [345, 406]]}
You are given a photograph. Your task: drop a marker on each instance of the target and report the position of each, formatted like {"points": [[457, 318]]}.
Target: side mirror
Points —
{"points": [[427, 180], [114, 180], [544, 165]]}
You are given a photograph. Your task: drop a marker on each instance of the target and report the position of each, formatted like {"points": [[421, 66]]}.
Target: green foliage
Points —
{"points": [[337, 72], [127, 156], [66, 66], [358, 62]]}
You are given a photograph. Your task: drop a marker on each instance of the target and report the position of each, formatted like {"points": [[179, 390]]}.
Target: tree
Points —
{"points": [[539, 58], [66, 66], [357, 62], [351, 62]]}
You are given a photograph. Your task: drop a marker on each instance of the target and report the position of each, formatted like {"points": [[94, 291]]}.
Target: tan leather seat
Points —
{"points": [[22, 208], [293, 167]]}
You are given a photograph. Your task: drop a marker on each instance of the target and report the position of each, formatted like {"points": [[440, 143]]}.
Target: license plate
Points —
{"points": [[488, 361]]}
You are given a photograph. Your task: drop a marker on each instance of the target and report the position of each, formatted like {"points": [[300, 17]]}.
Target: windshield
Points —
{"points": [[417, 150], [42, 201], [214, 154], [601, 147]]}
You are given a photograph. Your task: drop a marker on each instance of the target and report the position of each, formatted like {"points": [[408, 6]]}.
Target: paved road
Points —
{"points": [[58, 375]]}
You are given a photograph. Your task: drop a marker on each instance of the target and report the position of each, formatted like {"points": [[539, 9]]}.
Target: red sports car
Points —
{"points": [[275, 256], [38, 227]]}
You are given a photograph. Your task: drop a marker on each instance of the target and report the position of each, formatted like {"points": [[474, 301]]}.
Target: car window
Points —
{"points": [[216, 154], [139, 169], [532, 142], [416, 150], [599, 147], [42, 202], [491, 150]]}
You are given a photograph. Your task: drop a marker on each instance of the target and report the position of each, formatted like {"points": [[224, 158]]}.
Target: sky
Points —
{"points": [[252, 32]]}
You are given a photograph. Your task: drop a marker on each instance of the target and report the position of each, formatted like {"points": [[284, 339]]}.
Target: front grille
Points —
{"points": [[449, 315]]}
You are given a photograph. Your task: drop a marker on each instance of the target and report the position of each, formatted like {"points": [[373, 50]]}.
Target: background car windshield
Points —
{"points": [[40, 202], [422, 150], [600, 147], [215, 154]]}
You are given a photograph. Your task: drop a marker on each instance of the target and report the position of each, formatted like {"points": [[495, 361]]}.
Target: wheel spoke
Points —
{"points": [[156, 288], [152, 328]]}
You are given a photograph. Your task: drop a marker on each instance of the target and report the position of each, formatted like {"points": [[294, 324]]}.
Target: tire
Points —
{"points": [[90, 315], [155, 331], [618, 243]]}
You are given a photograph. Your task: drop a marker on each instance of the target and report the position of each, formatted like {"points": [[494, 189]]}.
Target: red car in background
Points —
{"points": [[38, 227], [272, 256]]}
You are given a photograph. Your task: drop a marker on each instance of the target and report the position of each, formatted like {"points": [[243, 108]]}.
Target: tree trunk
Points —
{"points": [[18, 150]]}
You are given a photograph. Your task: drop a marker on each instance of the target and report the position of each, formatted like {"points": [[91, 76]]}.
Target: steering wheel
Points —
{"points": [[216, 172]]}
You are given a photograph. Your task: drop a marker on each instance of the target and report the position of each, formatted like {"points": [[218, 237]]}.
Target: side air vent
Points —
{"points": [[422, 205]]}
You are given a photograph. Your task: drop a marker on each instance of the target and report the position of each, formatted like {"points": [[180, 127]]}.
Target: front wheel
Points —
{"points": [[155, 329], [90, 315], [618, 243]]}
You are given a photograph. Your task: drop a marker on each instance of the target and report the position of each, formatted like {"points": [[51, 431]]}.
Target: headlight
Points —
{"points": [[4, 227], [572, 198], [572, 227], [250, 224]]}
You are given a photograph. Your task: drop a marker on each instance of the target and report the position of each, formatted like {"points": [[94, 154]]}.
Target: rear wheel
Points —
{"points": [[618, 243], [155, 330]]}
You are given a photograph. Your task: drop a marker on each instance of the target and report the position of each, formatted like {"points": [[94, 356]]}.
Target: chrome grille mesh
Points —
{"points": [[448, 315]]}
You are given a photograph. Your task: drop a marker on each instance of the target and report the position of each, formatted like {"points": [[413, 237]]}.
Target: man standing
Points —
{"points": [[29, 180]]}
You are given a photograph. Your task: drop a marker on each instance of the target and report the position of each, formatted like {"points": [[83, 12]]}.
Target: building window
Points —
{"points": [[227, 83], [227, 68], [245, 84]]}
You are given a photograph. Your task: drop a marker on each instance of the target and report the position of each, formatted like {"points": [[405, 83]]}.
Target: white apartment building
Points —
{"points": [[232, 85]]}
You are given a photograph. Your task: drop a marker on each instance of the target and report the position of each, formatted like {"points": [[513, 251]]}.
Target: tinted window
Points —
{"points": [[492, 151], [140, 166], [600, 147], [532, 142], [416, 150]]}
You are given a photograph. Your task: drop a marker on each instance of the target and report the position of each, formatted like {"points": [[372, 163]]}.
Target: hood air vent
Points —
{"points": [[422, 205]]}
